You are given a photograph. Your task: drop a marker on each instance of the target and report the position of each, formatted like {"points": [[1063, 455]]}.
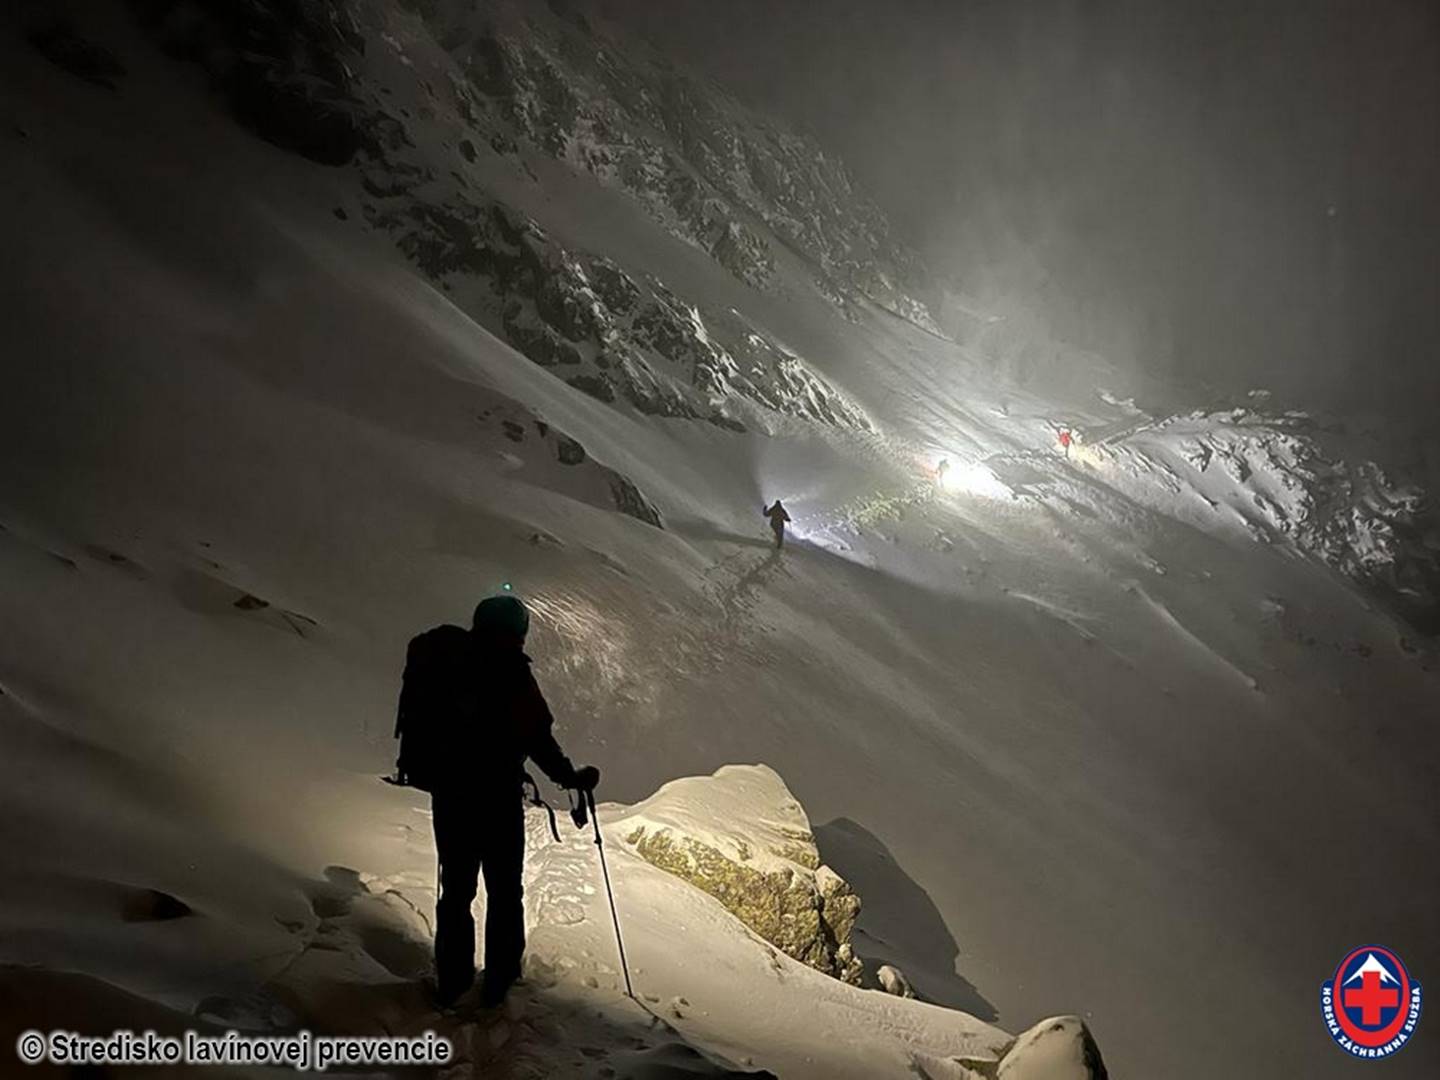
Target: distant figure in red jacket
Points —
{"points": [[1065, 440], [778, 517]]}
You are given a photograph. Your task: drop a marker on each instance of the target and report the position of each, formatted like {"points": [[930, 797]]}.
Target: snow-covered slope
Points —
{"points": [[1273, 478], [433, 104], [711, 172], [1251, 476], [1077, 751]]}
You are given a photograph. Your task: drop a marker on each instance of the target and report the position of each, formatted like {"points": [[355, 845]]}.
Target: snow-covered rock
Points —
{"points": [[743, 838], [694, 960], [893, 981], [597, 327], [1060, 1048], [1282, 478]]}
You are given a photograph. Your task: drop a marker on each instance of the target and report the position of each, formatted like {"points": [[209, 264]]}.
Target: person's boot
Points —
{"points": [[493, 988], [448, 994]]}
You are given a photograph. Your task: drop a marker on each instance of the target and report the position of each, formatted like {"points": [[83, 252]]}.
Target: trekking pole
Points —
{"points": [[588, 797]]}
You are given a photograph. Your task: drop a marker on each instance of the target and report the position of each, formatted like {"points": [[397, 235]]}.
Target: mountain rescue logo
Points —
{"points": [[1371, 1006]]}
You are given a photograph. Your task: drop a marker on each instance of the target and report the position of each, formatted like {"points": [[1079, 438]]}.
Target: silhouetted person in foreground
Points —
{"points": [[778, 519], [470, 714]]}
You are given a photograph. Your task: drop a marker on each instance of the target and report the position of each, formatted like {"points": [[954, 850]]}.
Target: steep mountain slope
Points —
{"points": [[428, 101], [254, 444]]}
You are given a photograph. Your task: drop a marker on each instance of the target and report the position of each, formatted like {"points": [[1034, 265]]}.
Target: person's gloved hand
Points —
{"points": [[586, 778]]}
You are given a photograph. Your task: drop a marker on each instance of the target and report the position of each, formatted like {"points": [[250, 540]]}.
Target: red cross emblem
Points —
{"points": [[1370, 997]]}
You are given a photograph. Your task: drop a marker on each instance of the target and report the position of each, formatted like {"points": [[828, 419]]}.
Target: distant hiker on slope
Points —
{"points": [[778, 518], [1065, 440], [470, 714]]}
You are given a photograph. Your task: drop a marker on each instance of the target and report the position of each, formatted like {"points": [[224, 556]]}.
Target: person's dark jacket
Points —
{"points": [[495, 714], [777, 515]]}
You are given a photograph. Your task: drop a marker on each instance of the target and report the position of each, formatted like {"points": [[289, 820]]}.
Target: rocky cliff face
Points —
{"points": [[409, 95], [617, 337], [714, 174]]}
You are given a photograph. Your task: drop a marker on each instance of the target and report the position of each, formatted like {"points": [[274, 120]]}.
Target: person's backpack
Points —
{"points": [[437, 703]]}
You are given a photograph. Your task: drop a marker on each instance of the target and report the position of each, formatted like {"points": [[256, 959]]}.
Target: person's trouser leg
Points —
{"points": [[503, 863], [457, 845], [779, 538]]}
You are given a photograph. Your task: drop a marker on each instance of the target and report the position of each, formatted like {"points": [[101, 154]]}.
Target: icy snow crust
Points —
{"points": [[1109, 755]]}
